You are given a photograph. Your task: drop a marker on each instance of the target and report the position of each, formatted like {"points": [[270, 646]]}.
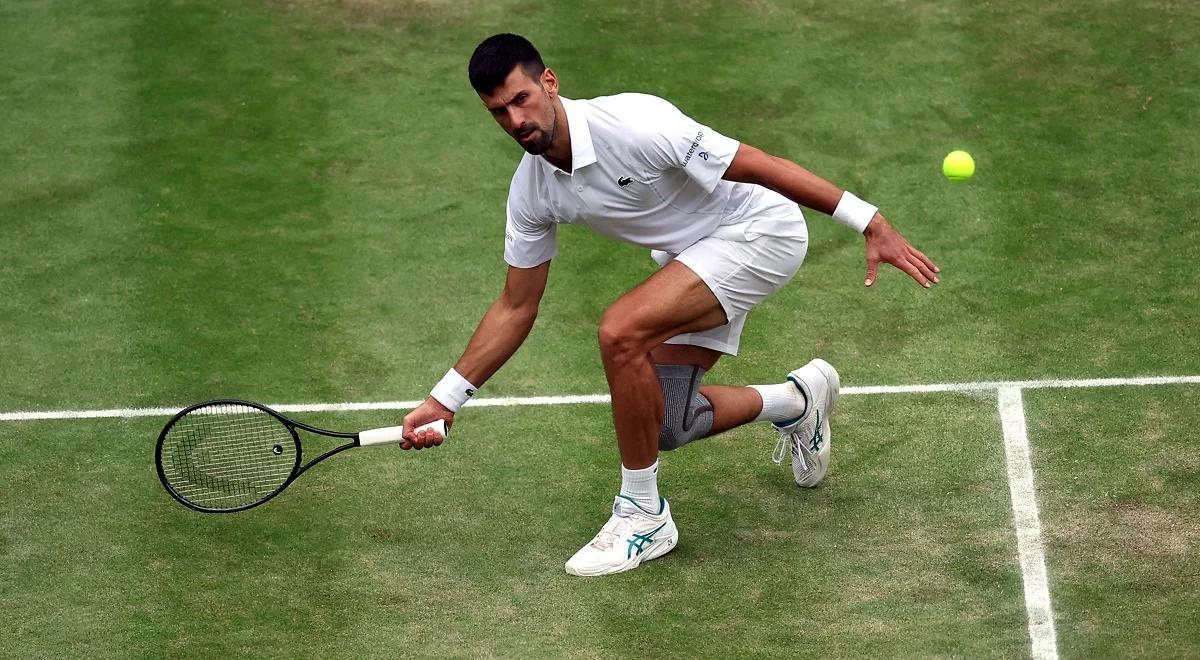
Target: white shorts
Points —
{"points": [[741, 270]]}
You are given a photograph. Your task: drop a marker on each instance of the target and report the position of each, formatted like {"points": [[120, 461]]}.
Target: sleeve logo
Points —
{"points": [[692, 150]]}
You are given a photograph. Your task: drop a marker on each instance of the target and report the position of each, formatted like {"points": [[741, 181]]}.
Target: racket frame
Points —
{"points": [[290, 424]]}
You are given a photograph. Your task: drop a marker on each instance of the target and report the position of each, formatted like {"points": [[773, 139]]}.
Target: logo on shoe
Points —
{"points": [[817, 438], [638, 542], [814, 444]]}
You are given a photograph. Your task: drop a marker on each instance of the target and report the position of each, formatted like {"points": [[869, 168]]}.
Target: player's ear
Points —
{"points": [[549, 82]]}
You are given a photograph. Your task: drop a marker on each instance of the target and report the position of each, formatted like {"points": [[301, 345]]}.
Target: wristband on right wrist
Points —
{"points": [[453, 390], [854, 212]]}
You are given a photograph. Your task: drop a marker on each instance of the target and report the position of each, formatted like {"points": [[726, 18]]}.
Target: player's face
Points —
{"points": [[524, 108]]}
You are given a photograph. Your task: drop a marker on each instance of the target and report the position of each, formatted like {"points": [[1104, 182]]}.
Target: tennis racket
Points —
{"points": [[230, 455]]}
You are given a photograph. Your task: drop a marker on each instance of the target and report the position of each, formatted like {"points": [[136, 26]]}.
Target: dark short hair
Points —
{"points": [[496, 57]]}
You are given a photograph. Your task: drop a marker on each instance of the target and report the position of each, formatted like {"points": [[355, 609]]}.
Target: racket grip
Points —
{"points": [[394, 434]]}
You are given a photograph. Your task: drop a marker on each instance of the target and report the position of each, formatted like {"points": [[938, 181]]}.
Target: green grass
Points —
{"points": [[1119, 495], [292, 201]]}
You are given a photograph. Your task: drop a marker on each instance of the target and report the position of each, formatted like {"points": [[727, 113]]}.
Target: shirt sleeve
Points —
{"points": [[528, 241], [674, 140]]}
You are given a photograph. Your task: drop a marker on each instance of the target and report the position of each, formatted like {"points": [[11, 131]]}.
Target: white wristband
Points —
{"points": [[453, 390], [854, 213]]}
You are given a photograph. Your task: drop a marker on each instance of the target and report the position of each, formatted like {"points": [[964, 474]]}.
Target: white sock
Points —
{"points": [[781, 402], [641, 486]]}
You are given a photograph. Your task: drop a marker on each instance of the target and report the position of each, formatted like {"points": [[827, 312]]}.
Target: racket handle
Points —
{"points": [[394, 434]]}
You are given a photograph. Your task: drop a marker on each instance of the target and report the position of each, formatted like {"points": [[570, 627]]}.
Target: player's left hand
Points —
{"points": [[886, 245]]}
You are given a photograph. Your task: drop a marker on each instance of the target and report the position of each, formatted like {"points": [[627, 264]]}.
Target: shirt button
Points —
{"points": [[579, 188]]}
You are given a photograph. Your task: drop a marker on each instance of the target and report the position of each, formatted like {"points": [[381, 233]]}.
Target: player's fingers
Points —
{"points": [[927, 260], [923, 268], [429, 439], [409, 433], [906, 266], [872, 266]]}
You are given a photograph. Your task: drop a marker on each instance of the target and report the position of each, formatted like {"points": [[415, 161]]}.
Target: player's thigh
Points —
{"points": [[671, 301]]}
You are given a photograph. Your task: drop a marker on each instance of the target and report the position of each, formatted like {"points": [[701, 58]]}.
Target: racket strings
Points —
{"points": [[225, 456]]}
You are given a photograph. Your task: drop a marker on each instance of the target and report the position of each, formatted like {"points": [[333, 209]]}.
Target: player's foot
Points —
{"points": [[631, 536], [808, 436]]}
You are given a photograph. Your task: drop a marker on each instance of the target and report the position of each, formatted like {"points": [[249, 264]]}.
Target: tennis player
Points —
{"points": [[720, 217]]}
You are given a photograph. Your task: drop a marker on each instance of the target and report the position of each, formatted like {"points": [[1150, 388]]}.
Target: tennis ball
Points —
{"points": [[958, 166]]}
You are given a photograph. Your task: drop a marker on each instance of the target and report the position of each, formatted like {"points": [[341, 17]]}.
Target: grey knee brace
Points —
{"points": [[687, 414]]}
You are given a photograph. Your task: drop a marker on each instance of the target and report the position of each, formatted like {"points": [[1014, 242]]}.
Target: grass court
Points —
{"points": [[301, 202]]}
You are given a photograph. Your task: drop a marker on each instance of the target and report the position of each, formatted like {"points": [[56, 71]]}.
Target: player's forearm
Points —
{"points": [[500, 333], [752, 165]]}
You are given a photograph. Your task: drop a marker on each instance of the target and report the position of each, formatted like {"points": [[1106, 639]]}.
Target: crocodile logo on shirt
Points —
{"points": [[624, 181]]}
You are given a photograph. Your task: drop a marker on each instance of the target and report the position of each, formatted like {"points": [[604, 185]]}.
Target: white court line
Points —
{"points": [[984, 386], [1027, 525]]}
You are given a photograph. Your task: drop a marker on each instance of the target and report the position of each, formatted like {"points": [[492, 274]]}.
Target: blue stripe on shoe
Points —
{"points": [[788, 422], [662, 504], [640, 541]]}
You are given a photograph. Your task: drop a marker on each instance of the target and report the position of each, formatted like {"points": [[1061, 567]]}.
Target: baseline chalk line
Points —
{"points": [[982, 386]]}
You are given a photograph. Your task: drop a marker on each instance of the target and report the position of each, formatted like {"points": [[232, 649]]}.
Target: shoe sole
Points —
{"points": [[656, 550]]}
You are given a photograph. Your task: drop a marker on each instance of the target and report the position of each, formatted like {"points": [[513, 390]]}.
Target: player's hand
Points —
{"points": [[886, 245], [429, 411]]}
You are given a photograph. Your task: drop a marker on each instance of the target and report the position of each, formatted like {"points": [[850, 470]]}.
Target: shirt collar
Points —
{"points": [[582, 151]]}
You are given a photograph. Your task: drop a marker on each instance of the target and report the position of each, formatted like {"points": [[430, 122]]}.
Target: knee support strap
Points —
{"points": [[687, 414]]}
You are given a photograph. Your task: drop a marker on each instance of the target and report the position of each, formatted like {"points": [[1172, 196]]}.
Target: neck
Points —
{"points": [[559, 153]]}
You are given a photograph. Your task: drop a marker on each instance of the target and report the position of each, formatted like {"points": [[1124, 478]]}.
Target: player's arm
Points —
{"points": [[884, 243], [505, 325], [499, 334]]}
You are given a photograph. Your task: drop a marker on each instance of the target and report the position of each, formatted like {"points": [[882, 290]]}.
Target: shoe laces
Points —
{"points": [[616, 527], [783, 447]]}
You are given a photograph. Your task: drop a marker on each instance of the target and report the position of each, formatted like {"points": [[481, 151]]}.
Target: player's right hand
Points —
{"points": [[886, 245], [427, 412]]}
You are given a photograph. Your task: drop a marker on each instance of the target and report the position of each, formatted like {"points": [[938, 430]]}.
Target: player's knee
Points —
{"points": [[619, 340], [687, 414], [682, 425]]}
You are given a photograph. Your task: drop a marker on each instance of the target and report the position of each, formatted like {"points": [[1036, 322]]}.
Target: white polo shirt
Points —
{"points": [[642, 172]]}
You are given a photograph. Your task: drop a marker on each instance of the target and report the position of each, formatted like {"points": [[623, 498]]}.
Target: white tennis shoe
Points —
{"points": [[808, 436], [631, 536]]}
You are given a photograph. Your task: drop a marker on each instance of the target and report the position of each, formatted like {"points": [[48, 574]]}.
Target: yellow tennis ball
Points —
{"points": [[958, 166]]}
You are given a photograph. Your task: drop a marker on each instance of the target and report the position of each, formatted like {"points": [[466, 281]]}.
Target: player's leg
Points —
{"points": [[672, 301], [701, 299], [743, 273], [693, 410]]}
